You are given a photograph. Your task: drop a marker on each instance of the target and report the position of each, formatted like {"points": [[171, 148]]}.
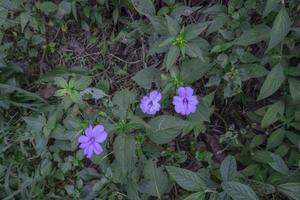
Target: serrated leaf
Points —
{"points": [[239, 191], [165, 128], [281, 27], [272, 83], [276, 138], [256, 34], [144, 7], [124, 151], [279, 165], [187, 179], [272, 113], [291, 190], [147, 76], [228, 168]]}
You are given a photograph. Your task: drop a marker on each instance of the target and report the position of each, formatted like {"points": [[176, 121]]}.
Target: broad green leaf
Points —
{"points": [[272, 83], [294, 85], [196, 196], [256, 34], [157, 179], [144, 7], [239, 191], [276, 138], [281, 27], [193, 70], [279, 165], [193, 30], [173, 26], [123, 99], [291, 190], [3, 15], [159, 24], [193, 50], [293, 137], [82, 83], [94, 92], [172, 56], [60, 82], [262, 156], [147, 76], [254, 70], [35, 123], [24, 18], [257, 140], [270, 6], [272, 113], [188, 180], [228, 168], [165, 128], [124, 151], [47, 7], [261, 187], [64, 8], [75, 97]]}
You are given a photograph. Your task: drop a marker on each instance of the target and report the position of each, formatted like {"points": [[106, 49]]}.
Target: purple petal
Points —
{"points": [[189, 91], [100, 136], [181, 91], [88, 131], [83, 139], [193, 100], [97, 148], [84, 145], [155, 95], [89, 151], [97, 129]]}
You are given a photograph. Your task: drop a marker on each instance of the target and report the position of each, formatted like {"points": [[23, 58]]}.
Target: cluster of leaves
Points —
{"points": [[244, 52]]}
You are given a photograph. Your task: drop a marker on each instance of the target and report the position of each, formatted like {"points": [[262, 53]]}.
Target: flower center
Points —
{"points": [[92, 140], [150, 104], [185, 101]]}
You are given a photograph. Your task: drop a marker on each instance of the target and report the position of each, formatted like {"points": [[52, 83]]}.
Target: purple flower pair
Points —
{"points": [[185, 103], [90, 142]]}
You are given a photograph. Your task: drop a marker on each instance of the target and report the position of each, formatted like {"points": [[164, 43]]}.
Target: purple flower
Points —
{"points": [[90, 141], [185, 103], [150, 104]]}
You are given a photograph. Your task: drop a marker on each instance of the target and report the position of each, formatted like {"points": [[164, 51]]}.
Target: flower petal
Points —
{"points": [[181, 91], [97, 148], [97, 129], [188, 91], [83, 139], [100, 136], [88, 131], [155, 95]]}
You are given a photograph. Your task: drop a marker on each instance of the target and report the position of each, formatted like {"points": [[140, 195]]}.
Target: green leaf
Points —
{"points": [[24, 18], [196, 196], [191, 31], [270, 6], [279, 165], [172, 56], [239, 191], [291, 190], [173, 26], [157, 183], [159, 24], [64, 8], [257, 140], [3, 15], [47, 7], [254, 70], [124, 151], [82, 83], [294, 85], [293, 137], [60, 82], [165, 128], [147, 76], [193, 50], [256, 34], [123, 99], [94, 92], [228, 168], [262, 156], [75, 97], [272, 113], [187, 179], [281, 27], [275, 138], [35, 123], [193, 70], [144, 7], [272, 83], [61, 92]]}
